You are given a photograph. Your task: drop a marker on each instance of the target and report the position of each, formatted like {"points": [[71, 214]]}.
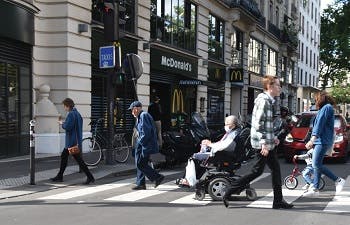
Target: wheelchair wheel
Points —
{"points": [[216, 188], [251, 194], [290, 182], [200, 194]]}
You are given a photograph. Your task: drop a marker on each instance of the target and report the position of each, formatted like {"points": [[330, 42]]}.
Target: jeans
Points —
{"points": [[317, 164], [144, 169], [307, 173]]}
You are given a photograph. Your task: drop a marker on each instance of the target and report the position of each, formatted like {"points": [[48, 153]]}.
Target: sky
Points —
{"points": [[324, 3]]}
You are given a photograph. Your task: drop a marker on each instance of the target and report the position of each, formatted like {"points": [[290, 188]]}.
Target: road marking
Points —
{"points": [[141, 194], [266, 202], [191, 200], [341, 201], [99, 188]]}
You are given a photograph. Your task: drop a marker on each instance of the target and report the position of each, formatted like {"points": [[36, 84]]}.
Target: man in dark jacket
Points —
{"points": [[156, 112], [146, 144]]}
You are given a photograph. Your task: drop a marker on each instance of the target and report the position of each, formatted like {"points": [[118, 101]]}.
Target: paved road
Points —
{"points": [[110, 200]]}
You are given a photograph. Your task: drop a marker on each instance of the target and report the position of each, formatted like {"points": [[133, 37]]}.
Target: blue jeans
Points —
{"points": [[317, 164], [307, 173], [143, 169]]}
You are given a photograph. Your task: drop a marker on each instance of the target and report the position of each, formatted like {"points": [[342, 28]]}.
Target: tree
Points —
{"points": [[334, 43]]}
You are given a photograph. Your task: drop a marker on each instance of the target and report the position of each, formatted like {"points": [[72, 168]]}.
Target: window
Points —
{"points": [[254, 56], [271, 66], [271, 12], [306, 55], [301, 76], [277, 17], [236, 47], [216, 38], [174, 22]]}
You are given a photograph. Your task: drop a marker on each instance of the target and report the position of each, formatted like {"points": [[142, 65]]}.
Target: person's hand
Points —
{"points": [[295, 157], [60, 122], [277, 141], [309, 145], [264, 150]]}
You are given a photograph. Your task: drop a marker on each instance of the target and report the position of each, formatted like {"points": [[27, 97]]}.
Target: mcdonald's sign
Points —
{"points": [[236, 75], [178, 102]]}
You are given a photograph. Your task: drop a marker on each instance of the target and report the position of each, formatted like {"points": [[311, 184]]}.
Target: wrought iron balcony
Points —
{"points": [[250, 6], [273, 29]]}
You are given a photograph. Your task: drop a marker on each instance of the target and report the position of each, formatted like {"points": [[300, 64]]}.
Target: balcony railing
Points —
{"points": [[248, 5], [273, 29], [262, 22]]}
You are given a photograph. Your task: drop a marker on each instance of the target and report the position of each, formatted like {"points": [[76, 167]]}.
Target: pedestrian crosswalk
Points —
{"points": [[169, 192]]}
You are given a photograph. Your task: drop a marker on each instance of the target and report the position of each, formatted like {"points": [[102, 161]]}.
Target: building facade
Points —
{"points": [[308, 60], [208, 56]]}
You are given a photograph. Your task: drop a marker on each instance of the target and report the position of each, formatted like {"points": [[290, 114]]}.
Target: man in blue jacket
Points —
{"points": [[146, 144]]}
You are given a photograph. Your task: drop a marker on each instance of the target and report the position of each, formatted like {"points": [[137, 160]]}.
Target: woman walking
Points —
{"points": [[322, 138], [73, 125]]}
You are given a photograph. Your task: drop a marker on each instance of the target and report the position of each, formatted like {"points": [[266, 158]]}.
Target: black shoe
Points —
{"points": [[139, 187], [225, 201], [159, 181], [57, 179], [282, 205], [89, 180]]}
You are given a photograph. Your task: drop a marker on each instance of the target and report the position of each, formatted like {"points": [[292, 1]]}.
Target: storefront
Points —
{"points": [[216, 95], [124, 88], [16, 41], [174, 80]]}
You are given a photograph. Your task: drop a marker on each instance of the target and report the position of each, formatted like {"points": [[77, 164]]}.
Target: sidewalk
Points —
{"points": [[15, 173]]}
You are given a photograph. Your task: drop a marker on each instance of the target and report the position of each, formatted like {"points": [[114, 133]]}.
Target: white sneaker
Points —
{"points": [[339, 184], [311, 193], [306, 186]]}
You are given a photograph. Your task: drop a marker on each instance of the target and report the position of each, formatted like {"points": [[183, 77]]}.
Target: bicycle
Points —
{"points": [[291, 181], [93, 151]]}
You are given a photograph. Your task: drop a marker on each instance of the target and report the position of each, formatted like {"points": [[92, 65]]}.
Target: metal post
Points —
{"points": [[32, 152]]}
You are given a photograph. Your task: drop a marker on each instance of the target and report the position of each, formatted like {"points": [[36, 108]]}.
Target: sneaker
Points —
{"points": [[311, 193], [339, 184], [306, 186]]}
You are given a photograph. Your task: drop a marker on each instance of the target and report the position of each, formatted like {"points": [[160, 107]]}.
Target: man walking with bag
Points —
{"points": [[146, 144]]}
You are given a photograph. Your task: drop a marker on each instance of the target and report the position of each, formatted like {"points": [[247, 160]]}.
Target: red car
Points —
{"points": [[294, 143]]}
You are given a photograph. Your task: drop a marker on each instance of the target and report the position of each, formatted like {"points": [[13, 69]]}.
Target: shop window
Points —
{"points": [[271, 64], [216, 38], [174, 23]]}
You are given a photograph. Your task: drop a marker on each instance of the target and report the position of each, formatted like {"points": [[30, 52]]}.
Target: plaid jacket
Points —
{"points": [[262, 123]]}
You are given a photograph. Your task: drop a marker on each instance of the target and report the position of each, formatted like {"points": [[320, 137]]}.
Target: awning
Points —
{"points": [[192, 82]]}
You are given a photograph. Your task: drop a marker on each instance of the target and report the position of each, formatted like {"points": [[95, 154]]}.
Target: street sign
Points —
{"points": [[107, 57]]}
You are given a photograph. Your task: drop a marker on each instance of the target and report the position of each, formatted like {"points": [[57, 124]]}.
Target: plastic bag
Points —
{"points": [[191, 173]]}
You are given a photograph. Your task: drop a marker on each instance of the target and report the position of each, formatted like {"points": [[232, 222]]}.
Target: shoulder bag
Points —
{"points": [[74, 150]]}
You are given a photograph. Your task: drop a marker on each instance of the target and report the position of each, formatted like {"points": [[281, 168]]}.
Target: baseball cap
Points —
{"points": [[135, 104]]}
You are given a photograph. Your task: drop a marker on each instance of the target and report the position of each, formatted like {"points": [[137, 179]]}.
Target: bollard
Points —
{"points": [[32, 152]]}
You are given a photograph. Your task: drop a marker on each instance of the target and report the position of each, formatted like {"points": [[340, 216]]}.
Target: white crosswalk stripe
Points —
{"points": [[339, 204], [341, 201], [141, 194], [95, 189]]}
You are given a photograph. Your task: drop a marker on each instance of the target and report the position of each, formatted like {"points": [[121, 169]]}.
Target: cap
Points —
{"points": [[135, 104]]}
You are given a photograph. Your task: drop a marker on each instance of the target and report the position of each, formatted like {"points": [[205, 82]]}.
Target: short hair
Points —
{"points": [[68, 102], [232, 119], [269, 80], [322, 98]]}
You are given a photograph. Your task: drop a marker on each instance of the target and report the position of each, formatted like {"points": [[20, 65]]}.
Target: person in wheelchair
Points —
{"points": [[214, 151]]}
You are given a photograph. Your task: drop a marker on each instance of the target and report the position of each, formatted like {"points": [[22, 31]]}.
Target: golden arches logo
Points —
{"points": [[178, 102], [236, 76]]}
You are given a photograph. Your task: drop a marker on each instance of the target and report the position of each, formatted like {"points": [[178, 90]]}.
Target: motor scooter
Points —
{"points": [[179, 145]]}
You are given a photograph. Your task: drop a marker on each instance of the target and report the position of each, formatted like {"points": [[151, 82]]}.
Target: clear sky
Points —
{"points": [[324, 3]]}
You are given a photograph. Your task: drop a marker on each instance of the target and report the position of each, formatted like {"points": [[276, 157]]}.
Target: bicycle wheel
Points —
{"points": [[121, 154], [290, 182], [92, 152], [321, 183]]}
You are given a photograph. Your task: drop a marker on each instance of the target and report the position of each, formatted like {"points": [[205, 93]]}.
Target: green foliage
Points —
{"points": [[341, 93], [335, 46]]}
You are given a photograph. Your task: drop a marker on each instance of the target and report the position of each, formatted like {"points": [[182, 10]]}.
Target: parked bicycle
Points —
{"points": [[291, 181], [94, 147]]}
